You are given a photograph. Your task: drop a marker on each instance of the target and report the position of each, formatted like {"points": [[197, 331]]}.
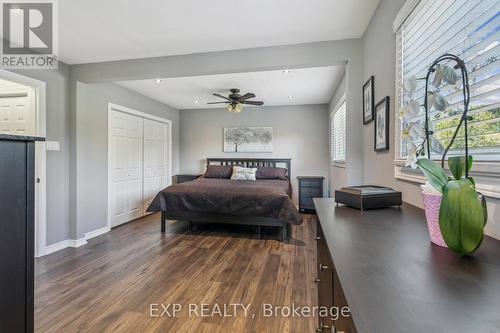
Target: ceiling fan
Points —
{"points": [[235, 100]]}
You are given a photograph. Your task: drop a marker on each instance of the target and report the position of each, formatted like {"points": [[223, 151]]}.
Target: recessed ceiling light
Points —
{"points": [[291, 97], [158, 80], [286, 71]]}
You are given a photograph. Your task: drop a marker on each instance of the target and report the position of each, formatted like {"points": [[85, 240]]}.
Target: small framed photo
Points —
{"points": [[368, 100], [382, 125]]}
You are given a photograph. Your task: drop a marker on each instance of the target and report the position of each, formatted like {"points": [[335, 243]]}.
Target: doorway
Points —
{"points": [[22, 112]]}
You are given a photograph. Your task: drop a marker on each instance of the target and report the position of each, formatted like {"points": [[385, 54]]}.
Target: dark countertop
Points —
{"points": [[310, 177], [12, 137], [395, 280]]}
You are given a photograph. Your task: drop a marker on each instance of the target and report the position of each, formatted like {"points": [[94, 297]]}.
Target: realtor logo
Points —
{"points": [[28, 34]]}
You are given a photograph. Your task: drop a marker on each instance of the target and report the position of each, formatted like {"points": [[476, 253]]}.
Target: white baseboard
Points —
{"points": [[77, 242], [54, 248], [97, 232], [74, 242]]}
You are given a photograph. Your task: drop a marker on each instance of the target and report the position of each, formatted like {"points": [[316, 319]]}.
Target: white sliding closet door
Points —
{"points": [[155, 159], [126, 169]]}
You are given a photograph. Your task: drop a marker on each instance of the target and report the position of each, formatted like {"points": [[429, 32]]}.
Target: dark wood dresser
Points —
{"points": [[382, 265], [309, 187], [185, 178], [17, 207]]}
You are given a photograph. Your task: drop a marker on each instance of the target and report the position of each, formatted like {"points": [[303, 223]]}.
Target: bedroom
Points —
{"points": [[103, 264]]}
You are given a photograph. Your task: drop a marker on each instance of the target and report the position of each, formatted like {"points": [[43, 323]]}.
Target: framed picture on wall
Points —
{"points": [[381, 128], [248, 139], [368, 100]]}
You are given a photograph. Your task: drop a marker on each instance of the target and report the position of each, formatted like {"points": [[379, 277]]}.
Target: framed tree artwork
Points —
{"points": [[368, 100], [381, 128], [248, 139]]}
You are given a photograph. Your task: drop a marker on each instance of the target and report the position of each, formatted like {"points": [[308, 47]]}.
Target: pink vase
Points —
{"points": [[432, 203]]}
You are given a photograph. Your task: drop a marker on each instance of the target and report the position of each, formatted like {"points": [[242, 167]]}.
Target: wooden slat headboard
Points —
{"points": [[253, 162]]}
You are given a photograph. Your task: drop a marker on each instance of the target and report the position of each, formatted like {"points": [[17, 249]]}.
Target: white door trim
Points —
{"points": [[120, 108], [41, 172]]}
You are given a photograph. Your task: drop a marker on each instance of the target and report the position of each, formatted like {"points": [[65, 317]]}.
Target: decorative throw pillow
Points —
{"points": [[218, 171], [241, 173], [270, 173]]}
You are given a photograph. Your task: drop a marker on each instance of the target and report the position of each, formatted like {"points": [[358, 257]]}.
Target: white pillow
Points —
{"points": [[241, 173]]}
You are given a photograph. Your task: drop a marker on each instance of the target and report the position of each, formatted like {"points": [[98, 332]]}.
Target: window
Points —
{"points": [[469, 29], [337, 133]]}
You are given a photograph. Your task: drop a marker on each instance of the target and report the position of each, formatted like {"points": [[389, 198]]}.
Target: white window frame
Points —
{"points": [[486, 173], [338, 162]]}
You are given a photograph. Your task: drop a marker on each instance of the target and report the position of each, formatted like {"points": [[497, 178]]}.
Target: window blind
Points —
{"points": [[469, 29], [337, 133]]}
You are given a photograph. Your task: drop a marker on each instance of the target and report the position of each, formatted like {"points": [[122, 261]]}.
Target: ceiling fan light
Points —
{"points": [[229, 107], [238, 108]]}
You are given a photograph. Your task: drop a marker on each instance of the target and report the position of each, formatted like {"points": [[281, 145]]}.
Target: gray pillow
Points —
{"points": [[218, 171], [271, 173]]}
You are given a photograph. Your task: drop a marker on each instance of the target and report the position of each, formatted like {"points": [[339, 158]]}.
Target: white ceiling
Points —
{"points": [[307, 86], [97, 30]]}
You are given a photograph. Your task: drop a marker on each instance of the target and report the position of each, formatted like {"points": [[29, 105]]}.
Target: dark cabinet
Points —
{"points": [[17, 205], [343, 323], [309, 187], [324, 282], [330, 293]]}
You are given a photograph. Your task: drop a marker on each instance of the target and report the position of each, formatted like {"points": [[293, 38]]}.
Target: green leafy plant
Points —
{"points": [[462, 214]]}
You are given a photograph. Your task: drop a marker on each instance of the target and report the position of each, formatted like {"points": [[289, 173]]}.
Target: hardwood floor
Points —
{"points": [[110, 284]]}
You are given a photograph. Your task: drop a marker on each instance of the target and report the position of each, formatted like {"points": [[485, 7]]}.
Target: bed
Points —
{"points": [[257, 202]]}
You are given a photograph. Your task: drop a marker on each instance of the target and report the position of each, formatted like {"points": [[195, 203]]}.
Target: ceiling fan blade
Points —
{"points": [[253, 102], [219, 95], [218, 102], [246, 96]]}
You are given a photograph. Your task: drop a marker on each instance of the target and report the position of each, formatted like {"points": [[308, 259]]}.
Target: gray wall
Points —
{"points": [[381, 64], [379, 44], [57, 117], [93, 146], [300, 133]]}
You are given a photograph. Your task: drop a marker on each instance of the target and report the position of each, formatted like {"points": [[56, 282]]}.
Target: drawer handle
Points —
{"points": [[317, 280], [323, 267], [323, 327], [318, 238]]}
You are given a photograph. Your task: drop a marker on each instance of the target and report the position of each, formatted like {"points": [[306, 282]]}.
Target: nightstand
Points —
{"points": [[309, 187], [186, 178]]}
